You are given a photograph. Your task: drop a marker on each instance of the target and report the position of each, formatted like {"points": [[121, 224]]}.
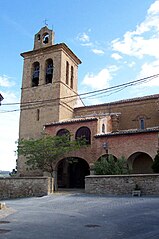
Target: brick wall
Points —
{"points": [[14, 187], [130, 111], [122, 184]]}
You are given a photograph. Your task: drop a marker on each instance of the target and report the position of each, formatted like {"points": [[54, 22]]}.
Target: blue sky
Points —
{"points": [[117, 41]]}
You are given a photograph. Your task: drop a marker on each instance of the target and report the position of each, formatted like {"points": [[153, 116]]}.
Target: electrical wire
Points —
{"points": [[86, 95]]}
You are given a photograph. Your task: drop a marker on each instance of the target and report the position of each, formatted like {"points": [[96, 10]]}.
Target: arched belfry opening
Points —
{"points": [[49, 71], [71, 172], [35, 74]]}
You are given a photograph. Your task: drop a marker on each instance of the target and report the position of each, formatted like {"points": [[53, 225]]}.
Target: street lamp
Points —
{"points": [[105, 146]]}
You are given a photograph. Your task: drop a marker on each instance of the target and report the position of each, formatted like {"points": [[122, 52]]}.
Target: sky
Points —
{"points": [[117, 42]]}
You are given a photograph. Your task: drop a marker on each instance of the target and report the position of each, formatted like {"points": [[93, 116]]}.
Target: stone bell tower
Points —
{"points": [[49, 86]]}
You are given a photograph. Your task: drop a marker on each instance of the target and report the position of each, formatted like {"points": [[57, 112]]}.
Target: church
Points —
{"points": [[50, 103]]}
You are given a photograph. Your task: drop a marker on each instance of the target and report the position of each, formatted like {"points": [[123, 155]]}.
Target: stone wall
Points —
{"points": [[122, 184], [14, 187]]}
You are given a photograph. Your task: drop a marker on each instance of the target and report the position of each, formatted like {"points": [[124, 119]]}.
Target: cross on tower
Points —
{"points": [[45, 22]]}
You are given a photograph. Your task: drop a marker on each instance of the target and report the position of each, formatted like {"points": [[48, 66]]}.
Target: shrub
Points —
{"points": [[111, 166], [155, 165]]}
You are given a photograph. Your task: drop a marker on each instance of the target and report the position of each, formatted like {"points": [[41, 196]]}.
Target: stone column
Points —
{"points": [[55, 180], [91, 166]]}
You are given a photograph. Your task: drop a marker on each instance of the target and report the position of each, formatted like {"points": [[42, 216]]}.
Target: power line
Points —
{"points": [[90, 94]]}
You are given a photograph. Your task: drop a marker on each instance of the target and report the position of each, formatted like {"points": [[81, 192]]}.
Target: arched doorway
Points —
{"points": [[71, 173], [140, 162]]}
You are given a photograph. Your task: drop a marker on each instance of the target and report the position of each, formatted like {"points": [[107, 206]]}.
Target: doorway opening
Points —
{"points": [[71, 173]]}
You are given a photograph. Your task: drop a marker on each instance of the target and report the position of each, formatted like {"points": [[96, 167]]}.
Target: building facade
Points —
{"points": [[49, 102]]}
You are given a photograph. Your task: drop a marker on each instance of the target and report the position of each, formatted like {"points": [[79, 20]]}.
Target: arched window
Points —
{"points": [[142, 123], [72, 76], [35, 74], [49, 71], [67, 72], [84, 132], [62, 132]]}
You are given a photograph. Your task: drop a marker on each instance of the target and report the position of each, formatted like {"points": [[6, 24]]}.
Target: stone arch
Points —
{"points": [[71, 172], [84, 132], [140, 163]]}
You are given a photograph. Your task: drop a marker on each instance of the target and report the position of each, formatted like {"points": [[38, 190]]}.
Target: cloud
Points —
{"points": [[83, 37], [150, 69], [98, 52], [85, 41], [154, 8], [144, 39], [116, 56], [5, 81], [101, 79]]}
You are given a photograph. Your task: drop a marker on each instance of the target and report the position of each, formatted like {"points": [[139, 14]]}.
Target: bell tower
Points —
{"points": [[49, 86]]}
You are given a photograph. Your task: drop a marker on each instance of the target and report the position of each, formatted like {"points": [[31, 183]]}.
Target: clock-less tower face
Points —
{"points": [[49, 85]]}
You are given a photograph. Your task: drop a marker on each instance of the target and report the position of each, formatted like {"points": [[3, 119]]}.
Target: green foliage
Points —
{"points": [[42, 153], [111, 166], [155, 165]]}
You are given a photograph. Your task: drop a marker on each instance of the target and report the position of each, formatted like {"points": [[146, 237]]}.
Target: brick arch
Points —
{"points": [[140, 163]]}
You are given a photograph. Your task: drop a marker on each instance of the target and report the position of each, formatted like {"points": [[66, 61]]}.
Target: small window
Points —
{"points": [[72, 76], [38, 115], [49, 71], [35, 74], [103, 128], [142, 124], [67, 72]]}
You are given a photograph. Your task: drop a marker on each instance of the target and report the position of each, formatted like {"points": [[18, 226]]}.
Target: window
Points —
{"points": [[49, 71], [142, 123], [38, 115], [84, 132], [72, 76], [35, 74], [62, 132], [67, 72], [103, 128]]}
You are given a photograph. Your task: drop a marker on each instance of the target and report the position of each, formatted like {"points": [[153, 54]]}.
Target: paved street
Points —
{"points": [[80, 216]]}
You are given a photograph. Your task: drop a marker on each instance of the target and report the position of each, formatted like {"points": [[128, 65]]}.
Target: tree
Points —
{"points": [[155, 165], [111, 166], [44, 152]]}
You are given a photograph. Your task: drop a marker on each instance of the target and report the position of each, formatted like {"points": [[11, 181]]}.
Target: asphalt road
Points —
{"points": [[80, 216]]}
